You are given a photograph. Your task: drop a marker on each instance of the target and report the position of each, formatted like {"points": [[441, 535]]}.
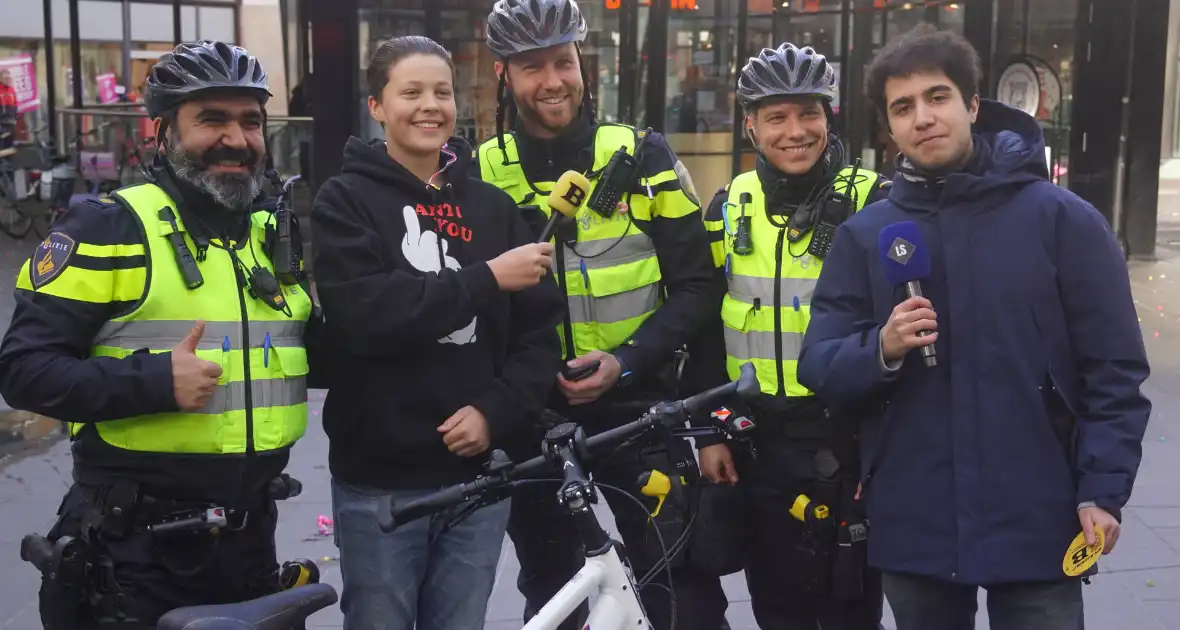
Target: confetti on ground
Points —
{"points": [[330, 559], [325, 525], [1163, 439], [1157, 334], [1150, 583], [1160, 307]]}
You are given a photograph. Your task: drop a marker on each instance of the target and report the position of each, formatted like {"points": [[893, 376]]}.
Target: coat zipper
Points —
{"points": [[778, 313], [249, 393]]}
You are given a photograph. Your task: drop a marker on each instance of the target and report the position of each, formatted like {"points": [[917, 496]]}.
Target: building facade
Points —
{"points": [[672, 65], [100, 38]]}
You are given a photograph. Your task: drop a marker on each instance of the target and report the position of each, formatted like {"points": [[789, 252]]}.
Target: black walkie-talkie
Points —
{"points": [[287, 253], [620, 174], [836, 210]]}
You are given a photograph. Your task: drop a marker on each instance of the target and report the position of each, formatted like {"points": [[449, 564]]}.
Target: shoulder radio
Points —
{"points": [[620, 174], [284, 241], [836, 210]]}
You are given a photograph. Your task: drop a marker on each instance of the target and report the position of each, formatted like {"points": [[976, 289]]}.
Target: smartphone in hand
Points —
{"points": [[580, 372]]}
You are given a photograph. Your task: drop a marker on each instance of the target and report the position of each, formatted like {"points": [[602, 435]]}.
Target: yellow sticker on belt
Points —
{"points": [[1080, 556]]}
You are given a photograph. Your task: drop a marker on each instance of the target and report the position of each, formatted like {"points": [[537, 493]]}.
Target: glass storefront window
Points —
{"points": [[461, 26], [600, 58], [821, 31], [701, 71], [1042, 33], [686, 89]]}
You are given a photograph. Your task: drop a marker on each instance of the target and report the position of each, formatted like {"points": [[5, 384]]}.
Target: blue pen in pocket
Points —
{"points": [[795, 303], [585, 274], [225, 344], [266, 351]]}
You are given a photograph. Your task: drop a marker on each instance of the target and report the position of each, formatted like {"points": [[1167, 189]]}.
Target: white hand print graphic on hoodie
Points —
{"points": [[421, 249]]}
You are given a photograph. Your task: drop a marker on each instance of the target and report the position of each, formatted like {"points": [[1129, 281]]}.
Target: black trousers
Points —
{"points": [[550, 550], [796, 577], [150, 575]]}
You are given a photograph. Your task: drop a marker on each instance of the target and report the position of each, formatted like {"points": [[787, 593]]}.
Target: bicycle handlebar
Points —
{"points": [[665, 415]]}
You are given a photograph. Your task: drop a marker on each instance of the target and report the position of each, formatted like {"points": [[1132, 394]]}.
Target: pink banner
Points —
{"points": [[24, 81], [106, 88]]}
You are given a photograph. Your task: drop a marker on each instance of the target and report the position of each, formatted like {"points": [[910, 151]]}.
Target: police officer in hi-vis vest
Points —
{"points": [[770, 229], [635, 268], [156, 323]]}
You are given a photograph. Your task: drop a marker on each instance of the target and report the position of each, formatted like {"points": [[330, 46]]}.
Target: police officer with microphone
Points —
{"points": [[770, 231], [635, 268]]}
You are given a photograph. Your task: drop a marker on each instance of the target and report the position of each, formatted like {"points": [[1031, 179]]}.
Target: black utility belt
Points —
{"points": [[122, 508]]}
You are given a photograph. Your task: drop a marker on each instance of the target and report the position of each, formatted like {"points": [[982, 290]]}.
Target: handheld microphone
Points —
{"points": [[906, 262], [569, 193]]}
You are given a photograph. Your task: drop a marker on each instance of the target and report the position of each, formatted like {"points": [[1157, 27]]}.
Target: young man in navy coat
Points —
{"points": [[981, 469]]}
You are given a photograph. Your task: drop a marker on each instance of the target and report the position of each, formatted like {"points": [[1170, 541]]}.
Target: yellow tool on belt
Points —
{"points": [[802, 508], [653, 483], [298, 573]]}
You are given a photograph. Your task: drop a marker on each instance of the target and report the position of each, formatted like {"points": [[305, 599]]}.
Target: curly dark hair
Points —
{"points": [[925, 48]]}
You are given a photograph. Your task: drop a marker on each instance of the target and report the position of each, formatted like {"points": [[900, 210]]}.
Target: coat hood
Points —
{"points": [[370, 160], [1009, 152]]}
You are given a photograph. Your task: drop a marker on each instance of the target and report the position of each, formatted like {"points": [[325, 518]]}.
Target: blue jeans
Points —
{"points": [[923, 603], [412, 577]]}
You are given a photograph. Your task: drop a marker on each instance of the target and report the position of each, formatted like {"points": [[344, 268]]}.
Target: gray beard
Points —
{"points": [[230, 190]]}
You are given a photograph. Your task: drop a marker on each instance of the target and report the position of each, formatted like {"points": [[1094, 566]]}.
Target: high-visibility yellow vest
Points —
{"points": [[611, 275], [763, 327], [261, 398]]}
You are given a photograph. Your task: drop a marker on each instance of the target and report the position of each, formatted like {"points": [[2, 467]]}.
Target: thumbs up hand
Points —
{"points": [[420, 248], [193, 380]]}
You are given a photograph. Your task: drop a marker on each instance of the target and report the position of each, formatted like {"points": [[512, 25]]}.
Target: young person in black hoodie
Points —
{"points": [[441, 320]]}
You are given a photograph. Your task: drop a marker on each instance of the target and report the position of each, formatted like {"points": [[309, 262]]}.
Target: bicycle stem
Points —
{"points": [[577, 493]]}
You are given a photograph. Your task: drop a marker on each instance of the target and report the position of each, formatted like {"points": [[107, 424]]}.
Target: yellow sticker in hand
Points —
{"points": [[1080, 556]]}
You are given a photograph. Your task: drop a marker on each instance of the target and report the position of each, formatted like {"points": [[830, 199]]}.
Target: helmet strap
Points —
{"points": [[501, 106], [587, 93]]}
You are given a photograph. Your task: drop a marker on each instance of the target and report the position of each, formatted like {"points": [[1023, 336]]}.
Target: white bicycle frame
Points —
{"points": [[617, 606]]}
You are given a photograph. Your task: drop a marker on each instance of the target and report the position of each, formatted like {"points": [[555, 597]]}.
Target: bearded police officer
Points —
{"points": [[770, 230], [155, 323], [636, 272]]}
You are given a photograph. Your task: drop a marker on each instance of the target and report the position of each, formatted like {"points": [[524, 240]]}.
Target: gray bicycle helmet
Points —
{"points": [[516, 26], [787, 71], [193, 68]]}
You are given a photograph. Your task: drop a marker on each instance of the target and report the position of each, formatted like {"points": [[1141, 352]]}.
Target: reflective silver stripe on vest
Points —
{"points": [[746, 288], [759, 344], [274, 392], [600, 253], [607, 309], [164, 335]]}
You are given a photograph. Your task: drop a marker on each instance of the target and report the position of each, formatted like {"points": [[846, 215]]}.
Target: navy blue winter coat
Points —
{"points": [[975, 468]]}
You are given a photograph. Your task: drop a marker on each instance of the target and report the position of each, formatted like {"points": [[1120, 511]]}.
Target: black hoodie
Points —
{"points": [[416, 326]]}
